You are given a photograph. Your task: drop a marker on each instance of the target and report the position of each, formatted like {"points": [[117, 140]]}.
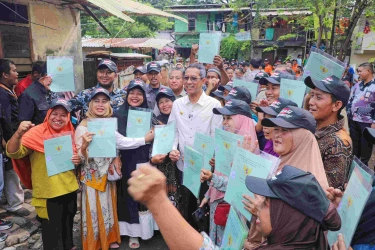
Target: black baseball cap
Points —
{"points": [[234, 107], [275, 78], [276, 107], [153, 66], [141, 69], [261, 77], [136, 84], [98, 91], [108, 64], [228, 86], [218, 93], [297, 188], [239, 93], [369, 135], [165, 92], [292, 117], [332, 85], [60, 102]]}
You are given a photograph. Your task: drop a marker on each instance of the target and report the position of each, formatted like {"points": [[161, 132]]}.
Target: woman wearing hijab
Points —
{"points": [[236, 119], [293, 222], [100, 229], [54, 197], [164, 101], [134, 219], [271, 112], [295, 143]]}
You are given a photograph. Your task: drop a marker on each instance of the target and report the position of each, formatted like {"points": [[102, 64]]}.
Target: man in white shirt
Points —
{"points": [[193, 113]]}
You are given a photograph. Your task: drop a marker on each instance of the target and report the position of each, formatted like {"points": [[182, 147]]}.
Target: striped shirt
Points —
{"points": [[361, 106]]}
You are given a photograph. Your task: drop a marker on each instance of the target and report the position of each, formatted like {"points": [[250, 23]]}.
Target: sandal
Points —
{"points": [[114, 245], [134, 242]]}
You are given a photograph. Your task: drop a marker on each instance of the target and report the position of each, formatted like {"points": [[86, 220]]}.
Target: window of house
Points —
{"points": [[7, 15], [191, 21]]}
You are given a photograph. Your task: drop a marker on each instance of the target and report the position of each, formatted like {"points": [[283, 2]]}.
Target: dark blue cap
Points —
{"points": [[108, 64], [234, 107], [98, 91], [141, 69], [165, 92], [153, 66], [239, 93], [136, 83], [228, 86], [332, 85], [218, 93], [297, 188], [261, 78], [292, 117], [276, 107], [60, 102]]}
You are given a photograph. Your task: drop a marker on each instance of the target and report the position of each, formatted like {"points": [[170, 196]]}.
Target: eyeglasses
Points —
{"points": [[192, 78], [105, 72]]}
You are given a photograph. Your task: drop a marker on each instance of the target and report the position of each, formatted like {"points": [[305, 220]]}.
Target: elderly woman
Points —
{"points": [[100, 229], [54, 197]]}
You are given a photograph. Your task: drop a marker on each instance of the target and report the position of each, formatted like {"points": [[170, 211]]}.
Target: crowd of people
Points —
{"points": [[134, 193]]}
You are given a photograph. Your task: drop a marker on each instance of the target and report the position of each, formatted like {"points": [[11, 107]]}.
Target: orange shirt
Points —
{"points": [[294, 67], [23, 85], [268, 69]]}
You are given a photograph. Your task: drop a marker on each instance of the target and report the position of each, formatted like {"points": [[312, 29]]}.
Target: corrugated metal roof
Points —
{"points": [[117, 55], [262, 13], [125, 43], [108, 6]]}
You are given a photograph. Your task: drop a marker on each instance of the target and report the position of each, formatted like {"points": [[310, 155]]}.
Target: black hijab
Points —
{"points": [[163, 117]]}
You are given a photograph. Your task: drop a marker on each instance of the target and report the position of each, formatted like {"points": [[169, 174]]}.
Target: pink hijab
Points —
{"points": [[244, 126]]}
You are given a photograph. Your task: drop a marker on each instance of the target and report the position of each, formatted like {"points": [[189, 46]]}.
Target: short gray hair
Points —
{"points": [[200, 67]]}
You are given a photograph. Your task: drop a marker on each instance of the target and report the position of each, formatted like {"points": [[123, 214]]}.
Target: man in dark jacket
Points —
{"points": [[12, 188], [34, 101]]}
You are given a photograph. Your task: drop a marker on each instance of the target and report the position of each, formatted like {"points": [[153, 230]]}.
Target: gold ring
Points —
{"points": [[141, 176]]}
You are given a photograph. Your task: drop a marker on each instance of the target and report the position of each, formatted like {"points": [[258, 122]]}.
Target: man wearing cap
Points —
{"points": [[8, 100], [154, 76], [268, 69], [213, 80], [106, 75], [262, 86], [328, 98], [140, 73]]}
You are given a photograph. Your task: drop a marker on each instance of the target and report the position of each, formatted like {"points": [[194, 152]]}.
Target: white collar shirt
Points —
{"points": [[193, 118]]}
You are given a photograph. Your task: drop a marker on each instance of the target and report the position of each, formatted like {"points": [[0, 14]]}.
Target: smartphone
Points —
{"points": [[200, 214]]}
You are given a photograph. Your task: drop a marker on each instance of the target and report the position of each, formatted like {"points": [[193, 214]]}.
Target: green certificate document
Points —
{"points": [[251, 86], [320, 67], [205, 145], [104, 141], [139, 123], [209, 47], [61, 69], [235, 231], [293, 90], [225, 149], [244, 164], [164, 138], [58, 152], [352, 204], [193, 163]]}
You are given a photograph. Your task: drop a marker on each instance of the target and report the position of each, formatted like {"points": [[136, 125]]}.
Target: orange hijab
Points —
{"points": [[34, 140]]}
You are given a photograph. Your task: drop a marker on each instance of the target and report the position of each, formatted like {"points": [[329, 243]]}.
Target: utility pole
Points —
{"points": [[333, 29]]}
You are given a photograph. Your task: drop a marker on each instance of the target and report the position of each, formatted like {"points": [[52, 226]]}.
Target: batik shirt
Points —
{"points": [[337, 153], [81, 101], [207, 243], [361, 106]]}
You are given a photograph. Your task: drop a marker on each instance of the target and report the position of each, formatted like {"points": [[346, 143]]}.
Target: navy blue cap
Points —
{"points": [[108, 64], [165, 92], [297, 188], [153, 66], [292, 117], [98, 91], [218, 93], [136, 83], [369, 135], [276, 107], [60, 102], [239, 93], [274, 79], [141, 69], [261, 78], [228, 86], [332, 85], [234, 107]]}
